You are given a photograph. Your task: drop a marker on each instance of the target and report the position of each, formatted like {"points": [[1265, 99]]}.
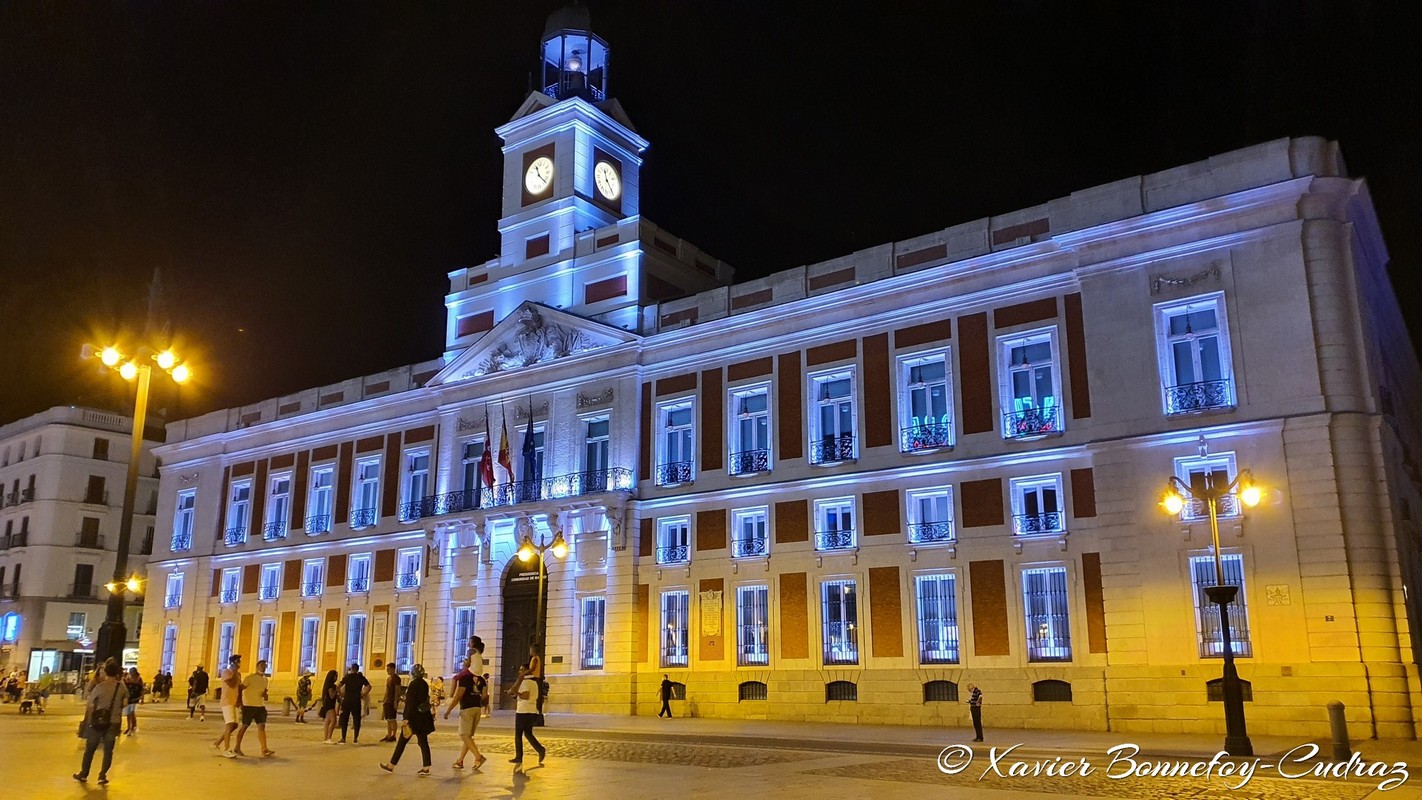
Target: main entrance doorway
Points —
{"points": [[520, 616]]}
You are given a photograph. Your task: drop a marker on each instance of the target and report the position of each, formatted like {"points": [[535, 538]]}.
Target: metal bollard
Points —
{"points": [[1339, 727]]}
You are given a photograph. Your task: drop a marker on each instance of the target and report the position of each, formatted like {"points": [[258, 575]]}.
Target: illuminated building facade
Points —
{"points": [[845, 491]]}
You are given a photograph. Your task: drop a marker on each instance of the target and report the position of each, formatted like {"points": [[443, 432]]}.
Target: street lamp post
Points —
{"points": [[526, 553], [1177, 491], [113, 633]]}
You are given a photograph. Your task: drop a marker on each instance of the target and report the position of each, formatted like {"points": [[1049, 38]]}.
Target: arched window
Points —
{"points": [[940, 692], [753, 690], [1051, 691], [841, 690]]}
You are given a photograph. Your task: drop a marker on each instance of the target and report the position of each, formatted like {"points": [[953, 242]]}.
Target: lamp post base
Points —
{"points": [[113, 636], [1236, 735]]}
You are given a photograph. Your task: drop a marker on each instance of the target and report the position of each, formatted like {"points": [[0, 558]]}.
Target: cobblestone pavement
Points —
{"points": [[671, 754]]}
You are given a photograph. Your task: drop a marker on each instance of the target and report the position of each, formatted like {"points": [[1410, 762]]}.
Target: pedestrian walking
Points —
{"points": [[470, 692], [526, 689], [254, 709], [303, 696], [133, 685], [975, 707], [231, 702], [197, 694], [355, 690], [666, 693], [419, 721], [101, 708], [330, 700], [390, 701]]}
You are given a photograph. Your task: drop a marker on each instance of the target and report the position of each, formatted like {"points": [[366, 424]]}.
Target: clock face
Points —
{"points": [[539, 175], [609, 183]]}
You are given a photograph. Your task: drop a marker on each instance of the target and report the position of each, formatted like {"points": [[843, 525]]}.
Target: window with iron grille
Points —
{"points": [[409, 569], [1045, 601], [750, 430], [676, 457], [1037, 505], [752, 690], [358, 574], [1031, 385], [832, 418], [591, 632], [183, 521], [1214, 690], [170, 647], [225, 636], [239, 507], [676, 618], [841, 690], [231, 585], [937, 618], [924, 412], [752, 625], [940, 692], [266, 637], [313, 577], [839, 612], [417, 483], [834, 524], [278, 508], [355, 640], [597, 441], [463, 632], [930, 515], [1201, 473], [405, 627], [173, 594], [1192, 342], [1207, 613], [674, 540], [366, 504], [319, 505], [310, 628], [749, 532], [471, 454], [1051, 691], [271, 582]]}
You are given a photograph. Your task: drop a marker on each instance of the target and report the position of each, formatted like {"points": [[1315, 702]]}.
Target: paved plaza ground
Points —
{"points": [[630, 758]]}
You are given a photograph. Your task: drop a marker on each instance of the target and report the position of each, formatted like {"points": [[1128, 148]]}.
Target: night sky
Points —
{"points": [[305, 174]]}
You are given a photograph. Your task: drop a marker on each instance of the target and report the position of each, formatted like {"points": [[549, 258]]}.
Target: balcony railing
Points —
{"points": [[267, 593], [320, 523], [674, 473], [409, 512], [1032, 422], [182, 542], [96, 498], [235, 536], [679, 554], [1226, 506], [1041, 522], [832, 449], [363, 517], [930, 532], [89, 541], [312, 589], [573, 484], [928, 436], [407, 580], [227, 596], [172, 600], [834, 539], [449, 503], [358, 585], [750, 462], [274, 530], [1189, 398], [81, 589], [21, 539], [742, 548]]}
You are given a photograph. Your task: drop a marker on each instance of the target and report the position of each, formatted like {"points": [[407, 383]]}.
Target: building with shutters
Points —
{"points": [[846, 490]]}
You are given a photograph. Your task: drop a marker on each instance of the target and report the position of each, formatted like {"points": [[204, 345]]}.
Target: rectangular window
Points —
{"points": [[749, 532], [310, 629], [405, 641], [937, 618], [594, 617], [832, 418], [78, 625], [471, 453], [278, 508], [83, 581], [173, 595], [1044, 602], [313, 577], [408, 569], [355, 641], [1207, 612], [930, 515], [271, 582], [673, 540], [358, 581], [463, 632], [417, 484], [226, 635], [183, 521], [750, 430], [239, 509], [596, 433], [1031, 385], [231, 585], [676, 618], [834, 524], [321, 501], [924, 403], [753, 626], [266, 638], [1192, 343], [170, 647], [1037, 505], [839, 611], [676, 455], [1202, 474], [367, 494]]}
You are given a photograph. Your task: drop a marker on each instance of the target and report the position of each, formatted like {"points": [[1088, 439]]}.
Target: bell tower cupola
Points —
{"points": [[573, 58]]}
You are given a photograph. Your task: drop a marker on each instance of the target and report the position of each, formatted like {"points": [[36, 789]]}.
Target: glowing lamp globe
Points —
{"points": [[129, 371], [182, 373], [525, 552], [1173, 502], [110, 356], [166, 359], [1250, 496]]}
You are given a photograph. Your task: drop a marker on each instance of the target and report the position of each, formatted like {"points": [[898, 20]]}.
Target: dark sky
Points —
{"points": [[305, 174]]}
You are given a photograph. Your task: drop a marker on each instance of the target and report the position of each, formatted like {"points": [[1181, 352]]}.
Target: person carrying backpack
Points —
{"points": [[103, 706]]}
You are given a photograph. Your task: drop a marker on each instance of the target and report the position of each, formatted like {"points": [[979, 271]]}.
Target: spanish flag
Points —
{"points": [[505, 460]]}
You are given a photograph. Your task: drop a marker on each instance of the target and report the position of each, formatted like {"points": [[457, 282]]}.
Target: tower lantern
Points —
{"points": [[573, 58]]}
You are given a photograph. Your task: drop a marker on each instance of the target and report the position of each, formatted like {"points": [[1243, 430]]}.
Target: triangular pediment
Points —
{"points": [[532, 334], [534, 103]]}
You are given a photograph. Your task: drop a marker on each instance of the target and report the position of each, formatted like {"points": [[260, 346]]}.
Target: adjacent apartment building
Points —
{"points": [[846, 490]]}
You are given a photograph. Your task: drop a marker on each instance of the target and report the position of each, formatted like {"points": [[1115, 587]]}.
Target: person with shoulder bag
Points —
{"points": [[103, 706], [419, 722]]}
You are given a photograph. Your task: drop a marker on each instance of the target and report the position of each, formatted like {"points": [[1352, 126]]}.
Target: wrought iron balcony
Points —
{"points": [[274, 530], [832, 449], [89, 541], [407, 580], [1041, 522], [575, 484], [930, 532], [172, 600], [81, 590], [363, 517], [358, 585], [449, 503], [235, 536], [674, 473], [320, 523], [227, 596], [1032, 422], [21, 539], [312, 589], [409, 512], [839, 539], [680, 554], [750, 462], [267, 593], [1226, 506], [928, 436], [1190, 398], [181, 542], [742, 548]]}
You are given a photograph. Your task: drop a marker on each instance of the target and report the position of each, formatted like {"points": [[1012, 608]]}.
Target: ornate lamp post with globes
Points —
{"points": [[1177, 492], [526, 553]]}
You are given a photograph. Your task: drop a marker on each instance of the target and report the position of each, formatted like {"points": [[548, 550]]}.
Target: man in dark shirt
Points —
{"points": [[389, 701], [975, 707], [666, 697], [197, 694], [354, 688]]}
